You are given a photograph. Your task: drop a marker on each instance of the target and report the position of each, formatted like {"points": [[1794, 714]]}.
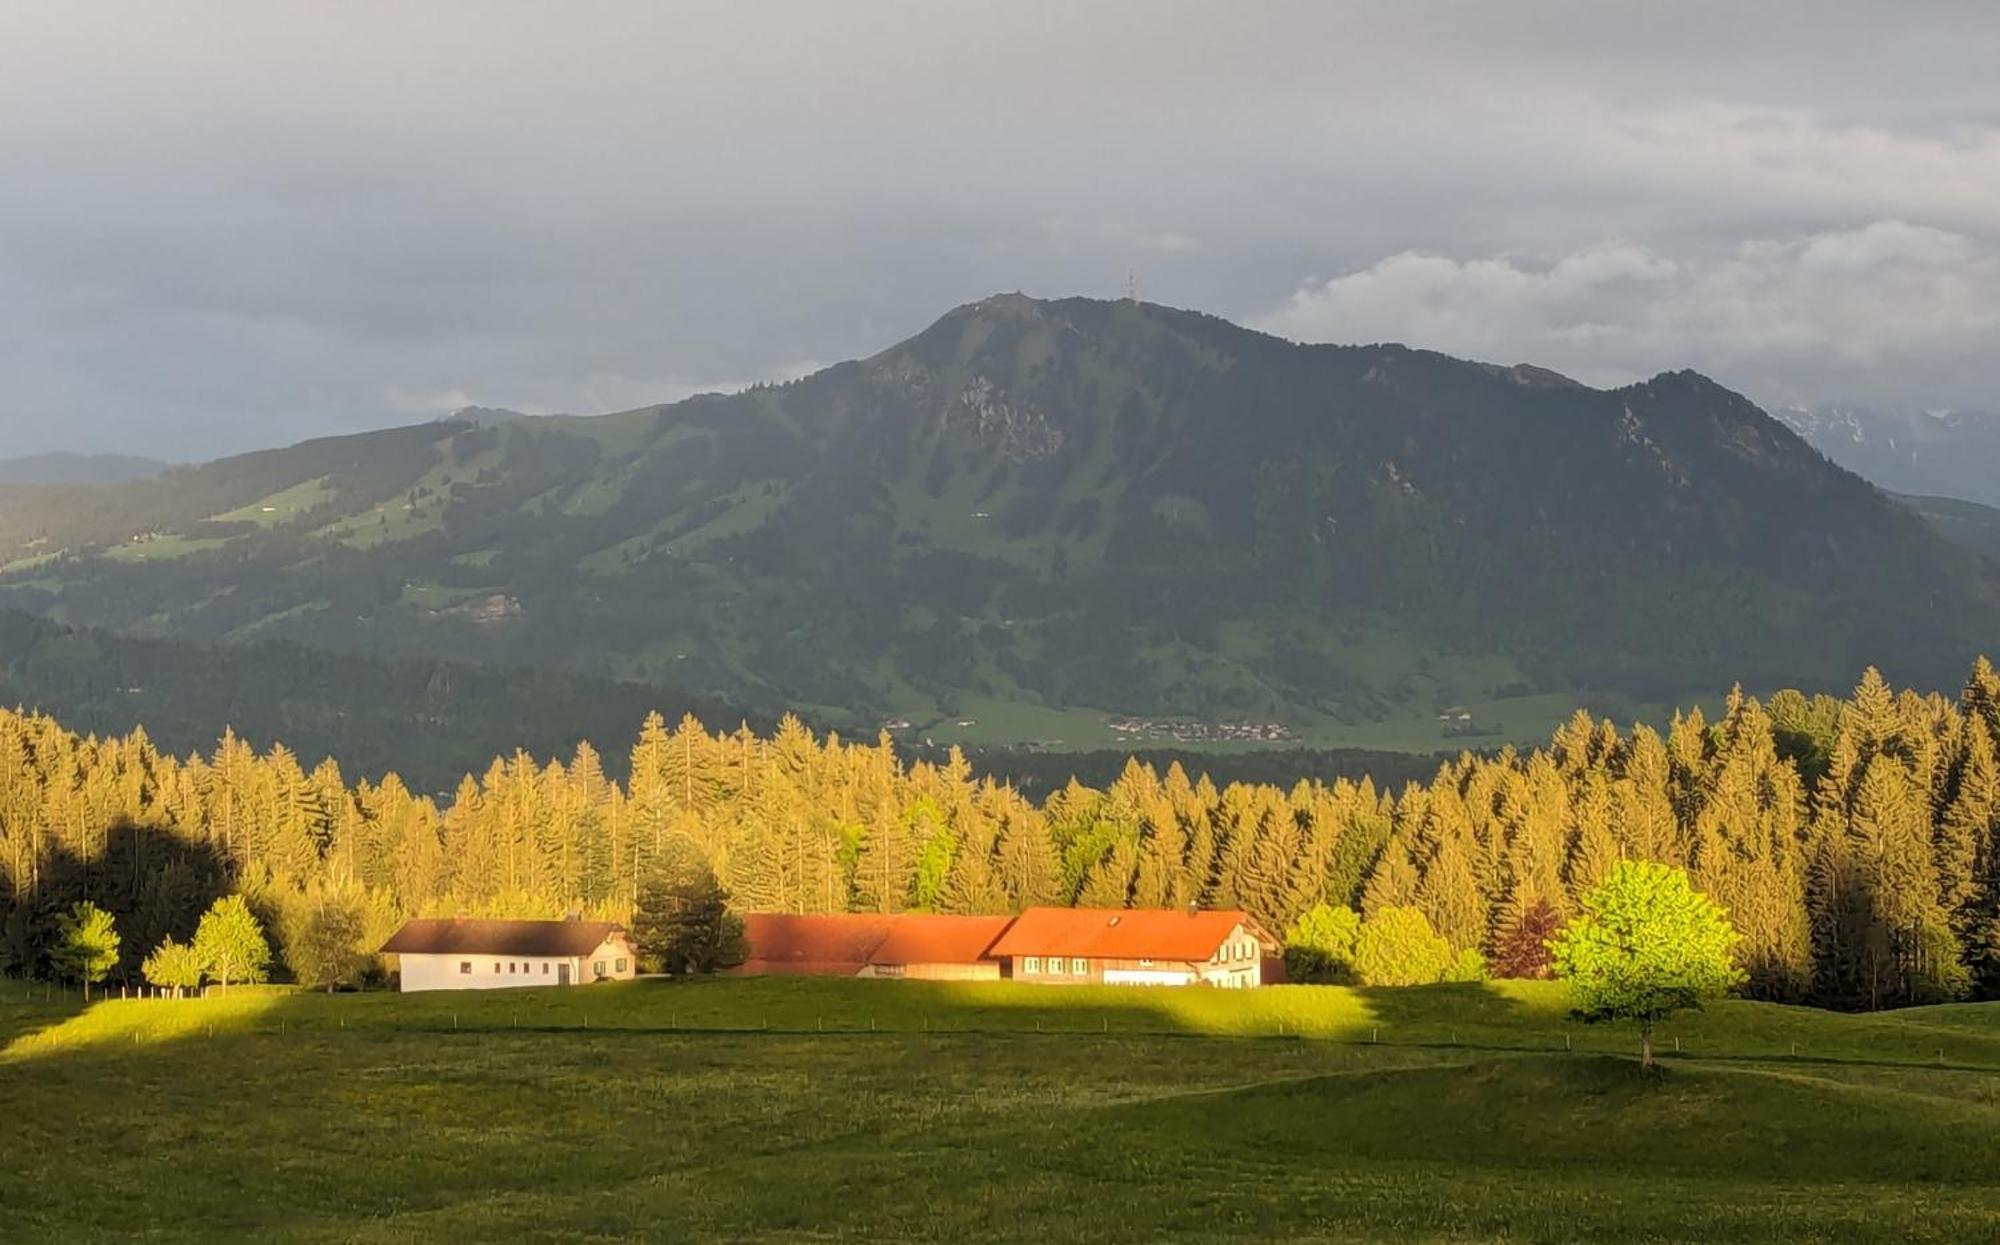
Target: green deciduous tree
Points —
{"points": [[1397, 947], [231, 943], [174, 966], [325, 948], [86, 946], [1320, 944], [1647, 945]]}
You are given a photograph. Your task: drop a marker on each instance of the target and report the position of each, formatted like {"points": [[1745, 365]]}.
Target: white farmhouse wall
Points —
{"points": [[444, 972], [485, 971]]}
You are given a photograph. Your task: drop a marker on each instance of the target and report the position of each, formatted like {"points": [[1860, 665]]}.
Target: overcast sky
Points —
{"points": [[230, 226]]}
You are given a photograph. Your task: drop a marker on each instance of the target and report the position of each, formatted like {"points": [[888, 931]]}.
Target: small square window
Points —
{"points": [[1079, 968], [619, 966], [465, 966], [1031, 964], [1055, 966], [598, 968]]}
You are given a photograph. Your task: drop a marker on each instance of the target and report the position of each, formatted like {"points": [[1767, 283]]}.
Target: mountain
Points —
{"points": [[1079, 523], [1952, 454], [63, 468], [1968, 523]]}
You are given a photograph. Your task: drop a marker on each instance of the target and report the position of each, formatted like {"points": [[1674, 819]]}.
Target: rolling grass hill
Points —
{"points": [[816, 1109], [1039, 518]]}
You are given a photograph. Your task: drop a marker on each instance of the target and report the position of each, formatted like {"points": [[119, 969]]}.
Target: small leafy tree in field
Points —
{"points": [[681, 923], [86, 946], [174, 966], [1320, 944], [1647, 945], [1398, 947], [231, 943], [325, 948]]}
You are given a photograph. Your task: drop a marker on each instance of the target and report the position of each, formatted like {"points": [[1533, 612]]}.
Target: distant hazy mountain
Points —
{"points": [[1954, 454], [1077, 521], [63, 468]]}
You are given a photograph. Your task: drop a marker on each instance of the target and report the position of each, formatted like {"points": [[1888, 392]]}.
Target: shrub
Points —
{"points": [[1398, 947]]}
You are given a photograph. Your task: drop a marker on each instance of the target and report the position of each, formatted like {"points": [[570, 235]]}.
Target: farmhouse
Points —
{"points": [[1048, 946], [459, 954], [1133, 947]]}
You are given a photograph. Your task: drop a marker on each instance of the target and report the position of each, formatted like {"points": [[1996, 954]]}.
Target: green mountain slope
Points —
{"points": [[1968, 523], [1040, 518]]}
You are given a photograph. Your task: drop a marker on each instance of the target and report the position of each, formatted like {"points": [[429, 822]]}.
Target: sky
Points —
{"points": [[230, 226]]}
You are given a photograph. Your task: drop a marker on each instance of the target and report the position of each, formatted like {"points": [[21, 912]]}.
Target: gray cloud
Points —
{"points": [[225, 226]]}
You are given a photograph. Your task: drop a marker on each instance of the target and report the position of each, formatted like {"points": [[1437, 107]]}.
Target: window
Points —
{"points": [[496, 966], [1079, 968], [1055, 966], [512, 967], [1031, 964], [598, 968], [545, 968], [620, 966], [465, 966]]}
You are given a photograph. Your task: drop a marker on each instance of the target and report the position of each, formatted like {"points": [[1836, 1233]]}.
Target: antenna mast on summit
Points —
{"points": [[1131, 286]]}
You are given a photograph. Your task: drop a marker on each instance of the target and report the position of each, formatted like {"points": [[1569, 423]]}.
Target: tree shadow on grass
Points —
{"points": [[155, 883]]}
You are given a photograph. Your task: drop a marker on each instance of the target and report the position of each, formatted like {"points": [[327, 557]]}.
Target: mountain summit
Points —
{"points": [[1036, 516]]}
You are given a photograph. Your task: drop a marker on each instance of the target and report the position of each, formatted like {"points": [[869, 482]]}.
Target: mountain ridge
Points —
{"points": [[1039, 516]]}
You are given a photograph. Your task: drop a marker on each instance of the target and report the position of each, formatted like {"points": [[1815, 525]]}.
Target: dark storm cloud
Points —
{"points": [[232, 225]]}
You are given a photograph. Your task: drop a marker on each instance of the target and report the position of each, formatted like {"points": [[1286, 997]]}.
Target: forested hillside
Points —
{"points": [[1852, 842], [429, 720], [1036, 518]]}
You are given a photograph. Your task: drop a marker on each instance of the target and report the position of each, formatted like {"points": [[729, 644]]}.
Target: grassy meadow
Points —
{"points": [[818, 1109]]}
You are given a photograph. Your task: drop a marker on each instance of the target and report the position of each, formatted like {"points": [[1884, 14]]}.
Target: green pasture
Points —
{"points": [[813, 1110]]}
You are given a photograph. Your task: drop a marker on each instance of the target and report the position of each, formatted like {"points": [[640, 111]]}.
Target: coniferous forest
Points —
{"points": [[1855, 843]]}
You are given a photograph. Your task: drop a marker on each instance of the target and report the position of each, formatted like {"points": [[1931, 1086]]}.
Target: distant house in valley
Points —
{"points": [[1048, 946], [1133, 947], [460, 954]]}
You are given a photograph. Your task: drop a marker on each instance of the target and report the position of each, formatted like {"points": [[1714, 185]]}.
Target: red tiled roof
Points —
{"points": [[1119, 934], [820, 943], [456, 936], [920, 938]]}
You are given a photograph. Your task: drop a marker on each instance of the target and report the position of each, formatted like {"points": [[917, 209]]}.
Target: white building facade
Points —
{"points": [[462, 954]]}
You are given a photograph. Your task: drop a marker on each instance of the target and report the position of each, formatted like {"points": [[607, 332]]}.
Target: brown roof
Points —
{"points": [[919, 938], [457, 936], [837, 942], [1120, 934], [820, 943]]}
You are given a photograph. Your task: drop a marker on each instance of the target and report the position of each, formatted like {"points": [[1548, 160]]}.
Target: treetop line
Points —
{"points": [[1851, 842]]}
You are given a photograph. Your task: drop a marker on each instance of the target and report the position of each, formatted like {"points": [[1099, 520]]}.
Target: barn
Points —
{"points": [[461, 954], [862, 944], [1044, 946], [1132, 947]]}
